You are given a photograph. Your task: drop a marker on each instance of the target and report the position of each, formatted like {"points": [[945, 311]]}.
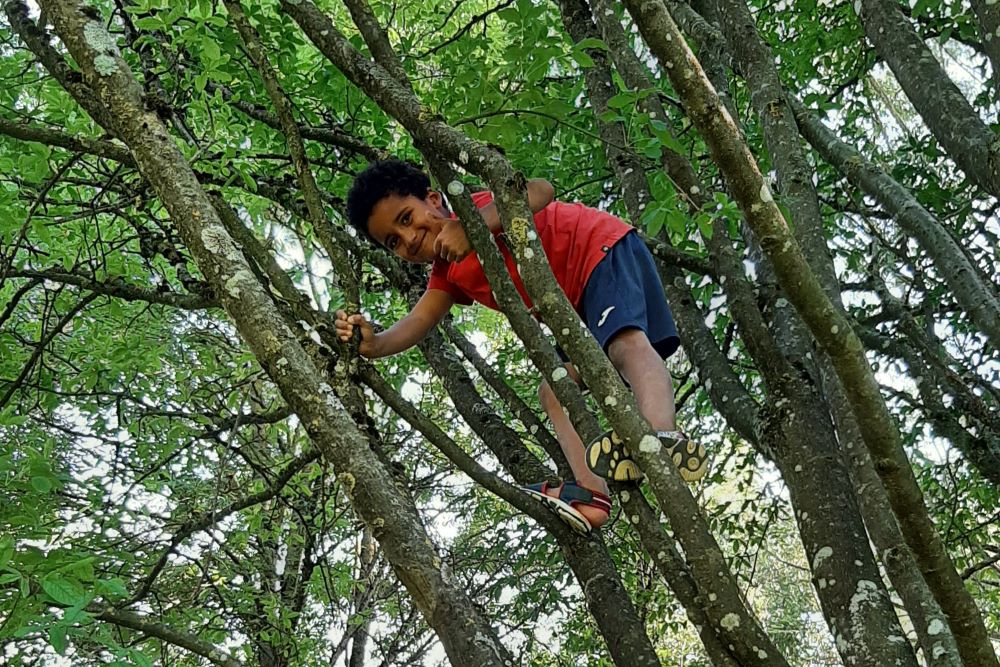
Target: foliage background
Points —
{"points": [[144, 450]]}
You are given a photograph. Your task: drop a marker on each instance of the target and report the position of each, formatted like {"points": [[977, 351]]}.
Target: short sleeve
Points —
{"points": [[439, 280], [483, 198]]}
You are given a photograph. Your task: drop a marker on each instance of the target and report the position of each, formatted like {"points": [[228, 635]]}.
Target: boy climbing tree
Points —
{"points": [[607, 274]]}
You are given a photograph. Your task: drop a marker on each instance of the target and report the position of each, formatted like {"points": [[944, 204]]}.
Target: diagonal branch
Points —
{"points": [[126, 619], [119, 289]]}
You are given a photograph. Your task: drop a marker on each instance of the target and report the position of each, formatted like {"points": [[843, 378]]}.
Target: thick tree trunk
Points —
{"points": [[928, 621], [392, 517]]}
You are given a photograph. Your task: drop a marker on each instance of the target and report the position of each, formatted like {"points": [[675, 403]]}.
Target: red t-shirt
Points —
{"points": [[574, 237]]}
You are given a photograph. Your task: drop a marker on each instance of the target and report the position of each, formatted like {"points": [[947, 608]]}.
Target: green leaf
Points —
{"points": [[704, 225], [63, 590], [149, 23], [41, 484], [591, 43], [582, 58], [210, 50], [57, 638]]}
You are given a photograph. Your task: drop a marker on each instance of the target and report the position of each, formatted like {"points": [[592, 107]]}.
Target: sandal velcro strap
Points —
{"points": [[568, 497]]}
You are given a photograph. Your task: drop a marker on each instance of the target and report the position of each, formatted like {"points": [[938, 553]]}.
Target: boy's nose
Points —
{"points": [[407, 240]]}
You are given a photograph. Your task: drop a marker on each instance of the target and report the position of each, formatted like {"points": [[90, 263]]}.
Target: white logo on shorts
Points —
{"points": [[604, 315]]}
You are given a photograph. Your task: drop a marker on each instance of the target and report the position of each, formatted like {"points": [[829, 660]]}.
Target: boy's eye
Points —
{"points": [[406, 218], [390, 242]]}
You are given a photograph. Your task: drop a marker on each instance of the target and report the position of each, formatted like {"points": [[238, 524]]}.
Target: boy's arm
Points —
{"points": [[540, 195], [404, 334]]}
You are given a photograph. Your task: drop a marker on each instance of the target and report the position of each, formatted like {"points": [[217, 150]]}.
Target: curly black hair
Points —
{"points": [[379, 180]]}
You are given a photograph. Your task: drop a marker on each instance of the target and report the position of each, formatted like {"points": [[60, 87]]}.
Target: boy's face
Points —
{"points": [[407, 225]]}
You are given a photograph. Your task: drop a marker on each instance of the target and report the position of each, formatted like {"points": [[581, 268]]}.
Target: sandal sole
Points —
{"points": [[608, 457], [561, 509]]}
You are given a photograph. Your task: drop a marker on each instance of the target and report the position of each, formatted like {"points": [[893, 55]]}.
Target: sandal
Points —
{"points": [[570, 495], [608, 457]]}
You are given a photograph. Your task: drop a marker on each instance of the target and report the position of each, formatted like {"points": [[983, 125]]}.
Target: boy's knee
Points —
{"points": [[626, 344]]}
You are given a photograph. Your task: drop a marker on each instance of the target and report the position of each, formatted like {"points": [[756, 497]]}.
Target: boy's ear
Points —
{"points": [[434, 198]]}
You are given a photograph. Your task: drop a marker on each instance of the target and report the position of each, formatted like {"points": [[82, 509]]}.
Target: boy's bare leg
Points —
{"points": [[573, 448], [640, 364]]}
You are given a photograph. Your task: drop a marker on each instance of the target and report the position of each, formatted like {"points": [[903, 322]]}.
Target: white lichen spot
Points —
{"points": [[634, 519], [821, 555], [565, 331], [463, 156], [625, 496], [559, 374], [765, 194], [821, 583], [532, 236], [936, 627], [650, 444], [762, 654], [865, 593], [712, 597], [695, 189], [232, 285], [217, 241], [98, 38], [455, 188], [105, 65], [611, 401], [528, 253], [798, 467], [281, 363], [730, 622]]}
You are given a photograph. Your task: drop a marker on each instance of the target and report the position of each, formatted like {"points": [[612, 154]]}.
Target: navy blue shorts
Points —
{"points": [[624, 292]]}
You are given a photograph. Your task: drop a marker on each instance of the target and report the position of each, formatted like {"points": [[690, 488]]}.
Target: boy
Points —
{"points": [[606, 272]]}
